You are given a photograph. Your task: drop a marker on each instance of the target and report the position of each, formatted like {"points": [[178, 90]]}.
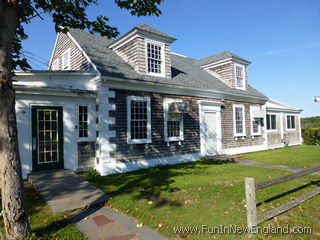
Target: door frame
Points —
{"points": [[56, 165], [213, 107]]}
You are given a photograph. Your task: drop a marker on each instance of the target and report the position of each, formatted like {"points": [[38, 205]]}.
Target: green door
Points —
{"points": [[47, 138]]}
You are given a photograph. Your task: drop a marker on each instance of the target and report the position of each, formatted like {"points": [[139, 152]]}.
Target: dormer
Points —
{"points": [[228, 68], [146, 49]]}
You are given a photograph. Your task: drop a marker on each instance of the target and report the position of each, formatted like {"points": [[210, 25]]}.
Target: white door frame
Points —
{"points": [[214, 107]]}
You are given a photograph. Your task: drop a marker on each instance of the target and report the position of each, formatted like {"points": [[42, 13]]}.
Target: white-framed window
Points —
{"points": [[139, 120], [291, 122], [55, 64], [173, 122], [83, 122], [240, 76], [239, 120], [256, 126], [155, 58], [66, 60], [271, 122]]}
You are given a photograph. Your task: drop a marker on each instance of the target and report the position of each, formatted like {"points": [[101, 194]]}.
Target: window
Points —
{"points": [[256, 126], [271, 122], [239, 120], [291, 122], [154, 53], [139, 120], [66, 60], [55, 64], [240, 78], [173, 122], [83, 121]]}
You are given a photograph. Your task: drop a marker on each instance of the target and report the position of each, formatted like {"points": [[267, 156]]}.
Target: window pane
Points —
{"points": [[173, 128], [83, 121], [154, 58], [239, 120], [273, 122], [255, 125], [293, 122], [139, 119]]}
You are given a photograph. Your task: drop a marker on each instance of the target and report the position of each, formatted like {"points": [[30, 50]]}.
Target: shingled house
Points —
{"points": [[124, 104]]}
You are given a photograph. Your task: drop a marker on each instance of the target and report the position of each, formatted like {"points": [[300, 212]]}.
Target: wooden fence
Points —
{"points": [[252, 218]]}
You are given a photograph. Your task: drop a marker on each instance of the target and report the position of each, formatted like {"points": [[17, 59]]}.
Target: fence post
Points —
{"points": [[251, 204]]}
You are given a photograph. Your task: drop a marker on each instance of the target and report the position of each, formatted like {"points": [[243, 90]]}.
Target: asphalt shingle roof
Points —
{"points": [[147, 28], [185, 71], [220, 56]]}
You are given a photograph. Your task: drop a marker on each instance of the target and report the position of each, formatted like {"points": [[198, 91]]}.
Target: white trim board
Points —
{"points": [[247, 149], [114, 167]]}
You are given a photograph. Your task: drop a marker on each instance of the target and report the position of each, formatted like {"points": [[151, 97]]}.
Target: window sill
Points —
{"points": [[291, 130], [156, 74], [273, 130], [173, 139], [256, 134], [240, 137], [241, 88], [139, 141]]}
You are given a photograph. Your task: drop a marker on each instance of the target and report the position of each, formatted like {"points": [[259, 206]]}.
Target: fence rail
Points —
{"points": [[252, 218]]}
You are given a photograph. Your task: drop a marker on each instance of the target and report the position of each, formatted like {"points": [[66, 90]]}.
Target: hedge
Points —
{"points": [[311, 136]]}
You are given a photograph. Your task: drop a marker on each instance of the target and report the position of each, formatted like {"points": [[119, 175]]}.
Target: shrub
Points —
{"points": [[311, 136], [91, 174]]}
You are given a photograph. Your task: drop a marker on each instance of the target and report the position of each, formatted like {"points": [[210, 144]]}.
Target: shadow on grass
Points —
{"points": [[289, 192], [148, 184]]}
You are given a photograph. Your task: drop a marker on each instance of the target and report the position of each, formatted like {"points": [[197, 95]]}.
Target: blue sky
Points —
{"points": [[280, 38]]}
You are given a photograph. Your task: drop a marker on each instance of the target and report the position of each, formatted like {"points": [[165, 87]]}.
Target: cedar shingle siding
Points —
{"points": [[77, 59], [191, 143], [158, 147], [227, 127]]}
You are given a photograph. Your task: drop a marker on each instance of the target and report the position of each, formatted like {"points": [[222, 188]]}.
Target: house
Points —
{"points": [[124, 104]]}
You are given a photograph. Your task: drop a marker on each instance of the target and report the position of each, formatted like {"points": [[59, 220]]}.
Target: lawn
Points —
{"points": [[207, 193], [304, 156], [44, 224]]}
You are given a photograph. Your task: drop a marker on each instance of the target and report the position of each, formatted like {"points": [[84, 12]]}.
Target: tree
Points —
{"points": [[13, 15]]}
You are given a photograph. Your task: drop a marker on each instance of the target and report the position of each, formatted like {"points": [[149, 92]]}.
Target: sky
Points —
{"points": [[280, 38]]}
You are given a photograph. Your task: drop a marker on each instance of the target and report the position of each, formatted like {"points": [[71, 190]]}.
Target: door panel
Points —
{"points": [[47, 138], [210, 133]]}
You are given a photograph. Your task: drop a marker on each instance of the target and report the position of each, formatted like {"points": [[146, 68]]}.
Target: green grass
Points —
{"points": [[44, 224], [206, 192], [304, 156]]}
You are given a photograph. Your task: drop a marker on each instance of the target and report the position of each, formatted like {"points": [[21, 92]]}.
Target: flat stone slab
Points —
{"points": [[64, 190], [104, 223]]}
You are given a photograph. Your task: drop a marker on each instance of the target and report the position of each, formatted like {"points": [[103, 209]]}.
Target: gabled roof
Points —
{"points": [[185, 71], [144, 30], [147, 28], [273, 104], [219, 57]]}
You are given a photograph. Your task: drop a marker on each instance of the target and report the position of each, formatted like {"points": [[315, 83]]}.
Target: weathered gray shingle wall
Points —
{"points": [[227, 127], [158, 148], [225, 73], [77, 59], [134, 53]]}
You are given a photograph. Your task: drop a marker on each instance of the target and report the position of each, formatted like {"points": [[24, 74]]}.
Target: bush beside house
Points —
{"points": [[311, 136]]}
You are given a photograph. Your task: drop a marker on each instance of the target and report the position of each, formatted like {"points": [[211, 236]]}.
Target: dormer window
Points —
{"points": [[154, 58], [240, 77]]}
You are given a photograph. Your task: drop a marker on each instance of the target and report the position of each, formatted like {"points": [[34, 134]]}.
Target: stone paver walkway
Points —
{"points": [[64, 190], [273, 166], [108, 224]]}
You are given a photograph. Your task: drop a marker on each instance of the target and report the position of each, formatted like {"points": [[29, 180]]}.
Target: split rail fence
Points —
{"points": [[252, 218]]}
